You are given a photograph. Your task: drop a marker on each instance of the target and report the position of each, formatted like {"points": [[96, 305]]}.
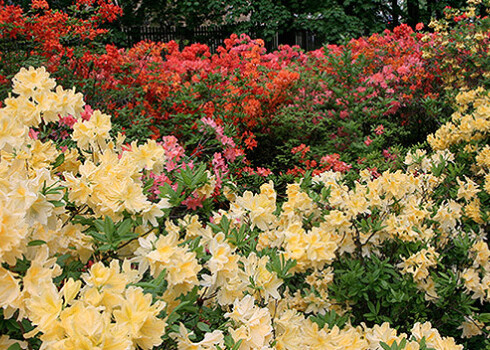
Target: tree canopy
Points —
{"points": [[332, 21]]}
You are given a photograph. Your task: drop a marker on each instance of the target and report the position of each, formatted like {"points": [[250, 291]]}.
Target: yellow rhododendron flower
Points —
{"points": [[383, 333], [12, 132], [13, 230], [40, 274], [6, 342], [105, 285], [254, 326], [164, 249], [468, 189], [183, 268], [139, 317], [419, 263], [9, 288], [70, 290], [93, 133], [88, 327], [149, 156], [259, 207], [210, 342], [267, 282], [111, 186], [29, 82], [471, 327], [44, 309], [207, 190], [36, 98]]}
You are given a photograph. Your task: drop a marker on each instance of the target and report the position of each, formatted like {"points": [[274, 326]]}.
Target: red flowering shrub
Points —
{"points": [[244, 101]]}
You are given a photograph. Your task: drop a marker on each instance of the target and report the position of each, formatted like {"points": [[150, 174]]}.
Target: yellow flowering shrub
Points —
{"points": [[91, 259]]}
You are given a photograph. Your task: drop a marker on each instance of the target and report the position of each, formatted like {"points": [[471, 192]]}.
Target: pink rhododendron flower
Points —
{"points": [[69, 121], [388, 155], [193, 203], [33, 134], [87, 112], [263, 171]]}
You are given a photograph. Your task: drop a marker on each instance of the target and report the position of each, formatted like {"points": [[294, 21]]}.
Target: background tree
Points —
{"points": [[331, 21], [337, 20], [188, 13], [262, 18]]}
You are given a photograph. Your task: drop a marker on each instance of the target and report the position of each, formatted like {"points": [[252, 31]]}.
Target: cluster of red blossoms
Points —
{"points": [[219, 103]]}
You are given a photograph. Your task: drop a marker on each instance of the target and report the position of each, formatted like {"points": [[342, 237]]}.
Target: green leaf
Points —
{"points": [[57, 204], [384, 346], [237, 345], [36, 242], [280, 265], [124, 227], [108, 227], [203, 327], [12, 325], [59, 160], [105, 247], [174, 315], [98, 236], [149, 183], [229, 342], [14, 346], [485, 317], [395, 345], [99, 225], [372, 308]]}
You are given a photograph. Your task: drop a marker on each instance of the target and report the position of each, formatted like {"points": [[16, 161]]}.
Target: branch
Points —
{"points": [[22, 329]]}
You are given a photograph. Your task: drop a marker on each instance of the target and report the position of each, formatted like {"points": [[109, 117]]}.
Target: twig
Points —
{"points": [[465, 316], [132, 239], [22, 329], [75, 213]]}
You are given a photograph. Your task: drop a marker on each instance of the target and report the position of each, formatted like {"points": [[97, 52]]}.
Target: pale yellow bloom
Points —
{"points": [[6, 342], [93, 133], [139, 317], [267, 282], [12, 132], [43, 309], [471, 327], [9, 288], [13, 230], [383, 333], [105, 285], [70, 290], [468, 189], [30, 82], [419, 263], [210, 341], [254, 326]]}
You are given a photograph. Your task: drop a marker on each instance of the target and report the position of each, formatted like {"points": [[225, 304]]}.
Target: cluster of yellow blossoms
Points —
{"points": [[105, 310], [418, 265], [104, 313], [470, 128], [471, 41], [469, 125], [479, 287]]}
